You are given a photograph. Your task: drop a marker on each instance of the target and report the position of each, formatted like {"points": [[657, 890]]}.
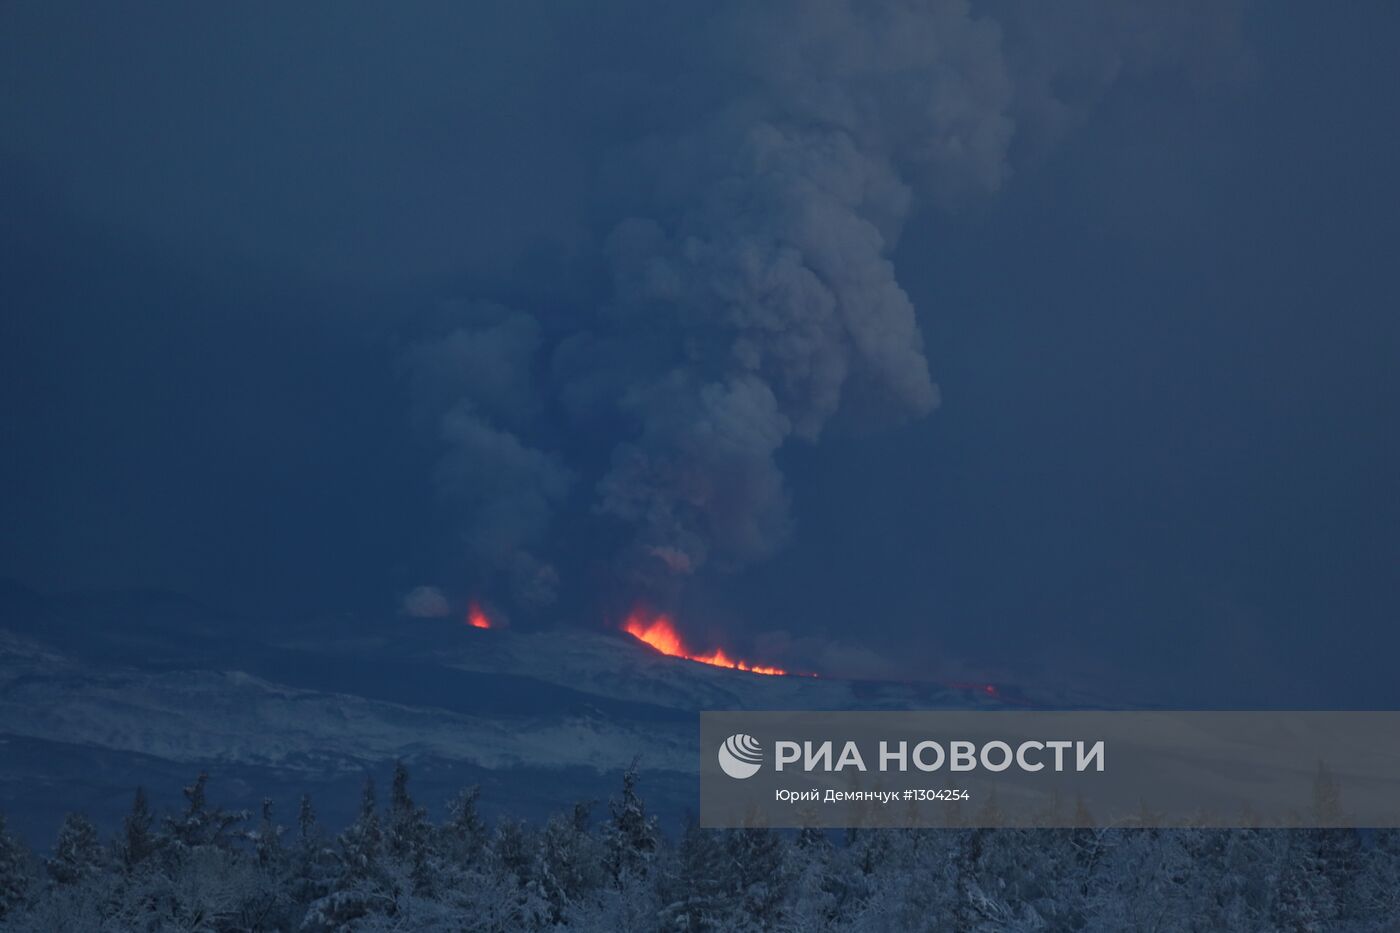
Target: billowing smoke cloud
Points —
{"points": [[753, 299], [425, 602], [478, 384]]}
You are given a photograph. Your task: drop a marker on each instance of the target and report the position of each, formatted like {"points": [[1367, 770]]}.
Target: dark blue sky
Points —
{"points": [[1165, 461]]}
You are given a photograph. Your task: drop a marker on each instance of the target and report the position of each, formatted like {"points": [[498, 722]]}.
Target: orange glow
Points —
{"points": [[476, 618], [661, 634]]}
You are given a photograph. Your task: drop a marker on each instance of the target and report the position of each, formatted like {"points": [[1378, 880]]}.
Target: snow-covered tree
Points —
{"points": [[363, 839], [759, 874], [632, 835], [1316, 879], [627, 905], [1147, 883], [77, 853], [306, 819], [138, 840], [393, 871], [312, 865], [1375, 889], [816, 893], [363, 886], [211, 887], [464, 837], [200, 824], [267, 838], [513, 850], [695, 890], [567, 864], [14, 872], [408, 836]]}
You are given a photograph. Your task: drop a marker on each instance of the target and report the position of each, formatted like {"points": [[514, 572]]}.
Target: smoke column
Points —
{"points": [[752, 296]]}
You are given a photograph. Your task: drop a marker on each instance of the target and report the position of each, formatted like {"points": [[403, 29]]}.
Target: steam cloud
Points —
{"points": [[426, 602], [753, 299]]}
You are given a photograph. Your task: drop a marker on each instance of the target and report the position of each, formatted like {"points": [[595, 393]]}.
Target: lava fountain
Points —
{"points": [[477, 618], [660, 633]]}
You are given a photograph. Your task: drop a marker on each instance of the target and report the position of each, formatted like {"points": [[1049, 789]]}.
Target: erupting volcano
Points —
{"points": [[661, 634], [476, 618]]}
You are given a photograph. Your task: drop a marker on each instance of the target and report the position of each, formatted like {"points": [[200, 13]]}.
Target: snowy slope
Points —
{"points": [[616, 666], [87, 707], [500, 702], [210, 716]]}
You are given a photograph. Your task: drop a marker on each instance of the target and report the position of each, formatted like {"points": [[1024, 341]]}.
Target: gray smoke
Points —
{"points": [[753, 298], [763, 267], [476, 388]]}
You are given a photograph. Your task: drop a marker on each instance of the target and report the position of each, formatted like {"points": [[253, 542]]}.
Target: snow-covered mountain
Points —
{"points": [[95, 698]]}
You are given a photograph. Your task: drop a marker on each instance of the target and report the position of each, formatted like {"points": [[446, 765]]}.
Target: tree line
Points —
{"points": [[204, 868]]}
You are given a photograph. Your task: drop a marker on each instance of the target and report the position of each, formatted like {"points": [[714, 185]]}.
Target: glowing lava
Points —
{"points": [[476, 618], [661, 634]]}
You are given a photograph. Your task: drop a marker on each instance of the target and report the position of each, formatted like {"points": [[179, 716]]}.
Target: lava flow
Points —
{"points": [[476, 618], [661, 634]]}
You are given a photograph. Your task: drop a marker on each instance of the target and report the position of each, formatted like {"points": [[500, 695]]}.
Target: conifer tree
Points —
{"points": [[696, 891], [138, 841], [14, 872], [406, 834], [313, 865], [566, 866], [464, 837], [267, 838], [77, 853], [758, 866], [361, 842], [409, 836], [201, 824], [362, 886], [632, 836], [513, 849], [306, 820]]}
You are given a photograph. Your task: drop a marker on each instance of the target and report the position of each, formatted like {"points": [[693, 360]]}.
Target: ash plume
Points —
{"points": [[752, 298]]}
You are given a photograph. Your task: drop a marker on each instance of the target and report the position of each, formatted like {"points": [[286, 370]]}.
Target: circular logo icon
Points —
{"points": [[741, 756]]}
